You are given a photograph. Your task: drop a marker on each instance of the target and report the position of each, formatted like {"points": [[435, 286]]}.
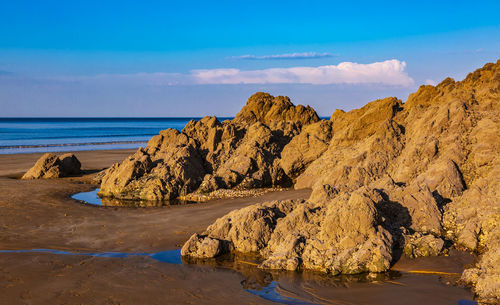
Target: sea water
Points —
{"points": [[27, 135]]}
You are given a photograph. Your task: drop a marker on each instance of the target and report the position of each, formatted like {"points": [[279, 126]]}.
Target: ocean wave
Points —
{"points": [[71, 144], [78, 136]]}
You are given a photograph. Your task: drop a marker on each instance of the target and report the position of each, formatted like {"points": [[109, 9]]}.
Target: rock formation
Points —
{"points": [[51, 166], [209, 155], [386, 178], [341, 236]]}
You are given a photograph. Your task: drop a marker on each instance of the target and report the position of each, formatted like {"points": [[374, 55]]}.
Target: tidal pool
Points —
{"points": [[94, 199], [88, 197]]}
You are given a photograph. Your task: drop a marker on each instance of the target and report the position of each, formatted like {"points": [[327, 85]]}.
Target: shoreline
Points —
{"points": [[90, 159]]}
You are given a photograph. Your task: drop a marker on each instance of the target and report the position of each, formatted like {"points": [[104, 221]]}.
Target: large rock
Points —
{"points": [[342, 234], [208, 155], [51, 166], [170, 166]]}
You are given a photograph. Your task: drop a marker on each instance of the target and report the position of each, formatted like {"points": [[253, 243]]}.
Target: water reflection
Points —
{"points": [[94, 199], [268, 284], [302, 288]]}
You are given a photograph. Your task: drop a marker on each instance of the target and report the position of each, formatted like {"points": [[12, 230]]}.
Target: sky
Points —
{"points": [[195, 58]]}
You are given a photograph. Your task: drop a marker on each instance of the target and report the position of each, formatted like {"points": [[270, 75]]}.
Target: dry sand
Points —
{"points": [[41, 214]]}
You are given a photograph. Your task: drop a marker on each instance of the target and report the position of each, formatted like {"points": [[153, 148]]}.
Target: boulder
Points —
{"points": [[203, 247], [51, 166], [340, 236]]}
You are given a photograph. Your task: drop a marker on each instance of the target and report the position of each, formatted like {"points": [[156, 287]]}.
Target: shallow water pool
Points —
{"points": [[88, 197], [94, 199]]}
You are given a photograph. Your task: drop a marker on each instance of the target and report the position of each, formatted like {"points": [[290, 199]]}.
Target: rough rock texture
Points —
{"points": [[209, 155], [296, 235], [265, 108], [433, 163], [306, 147], [51, 166], [168, 167], [485, 276], [417, 245]]}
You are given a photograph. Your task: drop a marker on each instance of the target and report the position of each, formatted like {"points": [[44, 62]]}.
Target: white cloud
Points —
{"points": [[305, 55], [389, 72]]}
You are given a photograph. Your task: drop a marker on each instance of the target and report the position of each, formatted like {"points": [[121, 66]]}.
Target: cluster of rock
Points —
{"points": [[51, 166], [301, 234], [209, 155], [387, 178]]}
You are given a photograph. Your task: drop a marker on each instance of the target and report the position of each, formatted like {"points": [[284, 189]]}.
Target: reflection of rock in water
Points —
{"points": [[92, 197], [141, 203], [266, 283]]}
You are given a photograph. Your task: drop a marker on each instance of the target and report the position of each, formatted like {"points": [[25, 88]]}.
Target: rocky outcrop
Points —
{"points": [[338, 235], [168, 167], [208, 155], [51, 166], [423, 174]]}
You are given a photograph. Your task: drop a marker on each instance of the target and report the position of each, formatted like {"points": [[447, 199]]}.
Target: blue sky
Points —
{"points": [[191, 58]]}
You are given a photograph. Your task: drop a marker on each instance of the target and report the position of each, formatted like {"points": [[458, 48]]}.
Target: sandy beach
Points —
{"points": [[40, 214]]}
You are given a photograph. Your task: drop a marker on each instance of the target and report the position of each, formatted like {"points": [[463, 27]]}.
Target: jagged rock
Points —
{"points": [[349, 167], [265, 108], [51, 166], [209, 155], [168, 167], [341, 236]]}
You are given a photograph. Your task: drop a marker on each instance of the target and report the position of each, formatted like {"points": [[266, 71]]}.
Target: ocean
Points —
{"points": [[29, 135]]}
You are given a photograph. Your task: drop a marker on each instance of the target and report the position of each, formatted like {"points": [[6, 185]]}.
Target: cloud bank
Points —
{"points": [[305, 55], [389, 72]]}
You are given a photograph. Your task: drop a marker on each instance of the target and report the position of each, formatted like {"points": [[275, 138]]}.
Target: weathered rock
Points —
{"points": [[209, 155], [168, 167], [485, 276], [203, 247], [306, 147], [51, 166], [265, 108], [341, 236]]}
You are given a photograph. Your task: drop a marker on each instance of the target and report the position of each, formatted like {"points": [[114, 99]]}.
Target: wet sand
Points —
{"points": [[41, 214]]}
